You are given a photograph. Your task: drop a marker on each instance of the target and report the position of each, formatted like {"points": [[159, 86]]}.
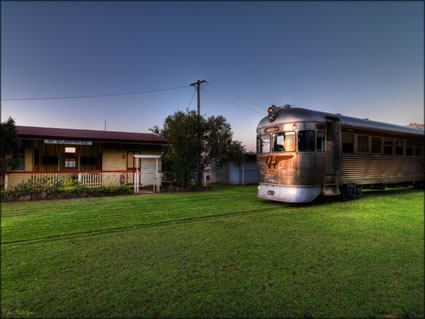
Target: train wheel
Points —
{"points": [[351, 191], [359, 192], [419, 185]]}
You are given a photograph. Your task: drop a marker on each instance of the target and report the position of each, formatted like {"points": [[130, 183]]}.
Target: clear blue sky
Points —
{"points": [[363, 59]]}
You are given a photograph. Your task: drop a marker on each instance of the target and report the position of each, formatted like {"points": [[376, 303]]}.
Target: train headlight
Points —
{"points": [[272, 113], [292, 191], [259, 187]]}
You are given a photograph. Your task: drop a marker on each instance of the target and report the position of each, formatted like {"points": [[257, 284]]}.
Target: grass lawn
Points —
{"points": [[222, 253]]}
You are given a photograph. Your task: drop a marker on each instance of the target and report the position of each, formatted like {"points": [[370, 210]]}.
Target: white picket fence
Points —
{"points": [[90, 179]]}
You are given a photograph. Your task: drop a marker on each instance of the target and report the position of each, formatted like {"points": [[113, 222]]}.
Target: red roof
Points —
{"points": [[92, 135]]}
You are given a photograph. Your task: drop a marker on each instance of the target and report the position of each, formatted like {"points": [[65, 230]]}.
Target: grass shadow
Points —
{"points": [[369, 193]]}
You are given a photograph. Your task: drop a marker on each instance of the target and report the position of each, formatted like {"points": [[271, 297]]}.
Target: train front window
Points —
{"points": [[284, 142], [306, 141], [264, 144]]}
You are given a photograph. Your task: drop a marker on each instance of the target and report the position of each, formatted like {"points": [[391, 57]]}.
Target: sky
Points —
{"points": [[361, 59]]}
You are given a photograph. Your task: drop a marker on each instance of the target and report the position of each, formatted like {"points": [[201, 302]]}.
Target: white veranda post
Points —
{"points": [[155, 177]]}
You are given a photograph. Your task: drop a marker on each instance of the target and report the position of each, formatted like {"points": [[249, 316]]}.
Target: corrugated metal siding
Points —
{"points": [[219, 175], [366, 169], [114, 161], [64, 133]]}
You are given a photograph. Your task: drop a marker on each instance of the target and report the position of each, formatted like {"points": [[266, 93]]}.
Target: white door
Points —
{"points": [[147, 171]]}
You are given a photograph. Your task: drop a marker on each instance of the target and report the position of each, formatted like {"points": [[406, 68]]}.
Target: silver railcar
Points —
{"points": [[302, 154]]}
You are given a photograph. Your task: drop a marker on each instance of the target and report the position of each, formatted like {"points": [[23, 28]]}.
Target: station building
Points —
{"points": [[93, 157]]}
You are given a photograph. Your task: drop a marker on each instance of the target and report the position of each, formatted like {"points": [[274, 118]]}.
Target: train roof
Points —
{"points": [[297, 114]]}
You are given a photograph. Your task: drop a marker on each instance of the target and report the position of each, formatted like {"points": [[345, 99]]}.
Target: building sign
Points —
{"points": [[68, 142]]}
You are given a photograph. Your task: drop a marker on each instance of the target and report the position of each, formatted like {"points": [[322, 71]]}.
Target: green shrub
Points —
{"points": [[63, 185], [81, 189]]}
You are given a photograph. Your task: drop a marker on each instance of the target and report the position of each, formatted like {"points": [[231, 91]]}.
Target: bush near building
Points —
{"points": [[59, 188]]}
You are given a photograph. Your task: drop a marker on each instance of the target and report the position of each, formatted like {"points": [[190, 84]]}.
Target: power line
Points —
{"points": [[93, 96], [208, 91], [243, 99], [191, 100]]}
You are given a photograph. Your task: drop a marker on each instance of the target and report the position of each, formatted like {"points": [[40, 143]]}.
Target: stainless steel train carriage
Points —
{"points": [[302, 154]]}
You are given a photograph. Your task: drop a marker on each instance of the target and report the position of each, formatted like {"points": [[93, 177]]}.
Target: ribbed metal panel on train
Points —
{"points": [[370, 169]]}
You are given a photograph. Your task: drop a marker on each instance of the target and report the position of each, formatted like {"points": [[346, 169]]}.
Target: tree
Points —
{"points": [[196, 142], [9, 145], [219, 144]]}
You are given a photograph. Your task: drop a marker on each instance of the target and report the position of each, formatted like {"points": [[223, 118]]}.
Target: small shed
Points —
{"points": [[232, 173]]}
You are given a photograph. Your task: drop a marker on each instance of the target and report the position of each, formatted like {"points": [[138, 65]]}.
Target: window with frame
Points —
{"points": [[49, 160], [306, 141], [19, 156], [284, 142], [418, 149], [376, 144], [347, 143], [388, 146], [320, 141], [36, 157], [410, 146], [263, 144], [399, 145], [363, 144], [70, 160], [88, 160]]}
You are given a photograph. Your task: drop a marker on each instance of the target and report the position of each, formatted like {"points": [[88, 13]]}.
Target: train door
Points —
{"points": [[330, 184]]}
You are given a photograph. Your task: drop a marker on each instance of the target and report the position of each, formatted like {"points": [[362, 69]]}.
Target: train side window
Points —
{"points": [[320, 141], [399, 147], [264, 144], [363, 144], [418, 148], [376, 145], [306, 141], [347, 143], [388, 146], [409, 148]]}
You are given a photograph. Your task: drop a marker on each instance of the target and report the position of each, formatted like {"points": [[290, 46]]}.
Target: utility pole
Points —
{"points": [[198, 87]]}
